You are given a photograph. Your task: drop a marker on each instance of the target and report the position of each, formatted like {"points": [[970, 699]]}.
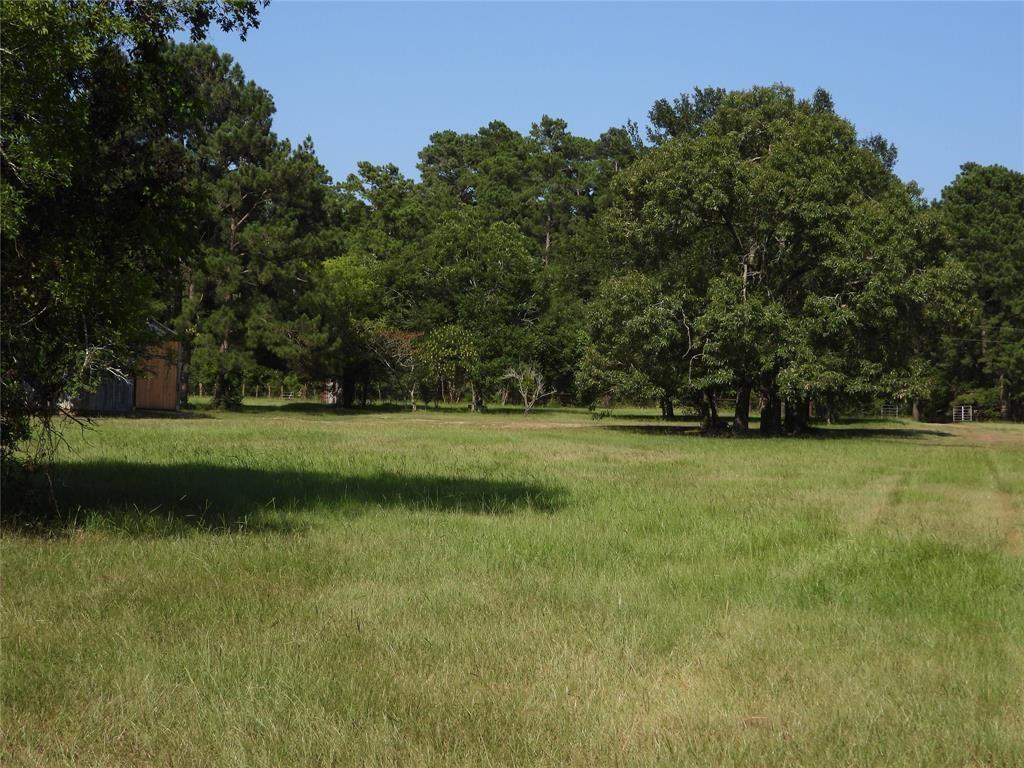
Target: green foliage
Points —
{"points": [[641, 346], [96, 193], [984, 211], [802, 251], [987, 401], [449, 360], [684, 116]]}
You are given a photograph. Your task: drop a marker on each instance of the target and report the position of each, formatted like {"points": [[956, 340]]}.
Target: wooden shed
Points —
{"points": [[155, 388]]}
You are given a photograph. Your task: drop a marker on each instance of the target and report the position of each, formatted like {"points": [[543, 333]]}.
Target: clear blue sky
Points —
{"points": [[943, 81]]}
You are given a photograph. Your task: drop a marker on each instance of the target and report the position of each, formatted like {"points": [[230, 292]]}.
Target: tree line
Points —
{"points": [[746, 246]]}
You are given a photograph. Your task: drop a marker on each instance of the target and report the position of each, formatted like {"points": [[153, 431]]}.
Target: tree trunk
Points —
{"points": [[796, 416], [710, 423], [224, 390], [702, 412], [547, 238], [915, 409], [224, 385], [348, 388], [476, 400], [769, 412], [185, 370], [741, 419]]}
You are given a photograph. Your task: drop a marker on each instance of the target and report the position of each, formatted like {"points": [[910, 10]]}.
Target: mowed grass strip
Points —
{"points": [[292, 587]]}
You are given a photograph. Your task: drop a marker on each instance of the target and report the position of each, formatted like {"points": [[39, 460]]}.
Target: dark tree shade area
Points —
{"points": [[748, 248]]}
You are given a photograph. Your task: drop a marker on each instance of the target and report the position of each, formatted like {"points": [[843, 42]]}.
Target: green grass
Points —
{"points": [[287, 586]]}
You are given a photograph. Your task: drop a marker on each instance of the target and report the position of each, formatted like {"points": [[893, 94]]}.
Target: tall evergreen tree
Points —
{"points": [[984, 211]]}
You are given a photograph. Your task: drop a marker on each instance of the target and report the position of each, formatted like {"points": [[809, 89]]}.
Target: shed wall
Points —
{"points": [[156, 387], [112, 396]]}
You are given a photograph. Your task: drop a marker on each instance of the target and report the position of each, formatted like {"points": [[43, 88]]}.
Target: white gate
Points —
{"points": [[963, 413]]}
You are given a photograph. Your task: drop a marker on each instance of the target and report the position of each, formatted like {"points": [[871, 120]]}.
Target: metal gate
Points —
{"points": [[963, 413]]}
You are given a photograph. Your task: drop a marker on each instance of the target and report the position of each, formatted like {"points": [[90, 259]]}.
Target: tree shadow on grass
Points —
{"points": [[307, 407], [652, 417], [814, 433], [664, 428], [840, 433], [144, 413], [162, 499]]}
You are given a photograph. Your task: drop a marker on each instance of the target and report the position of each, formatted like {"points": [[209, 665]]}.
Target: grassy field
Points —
{"points": [[292, 587]]}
